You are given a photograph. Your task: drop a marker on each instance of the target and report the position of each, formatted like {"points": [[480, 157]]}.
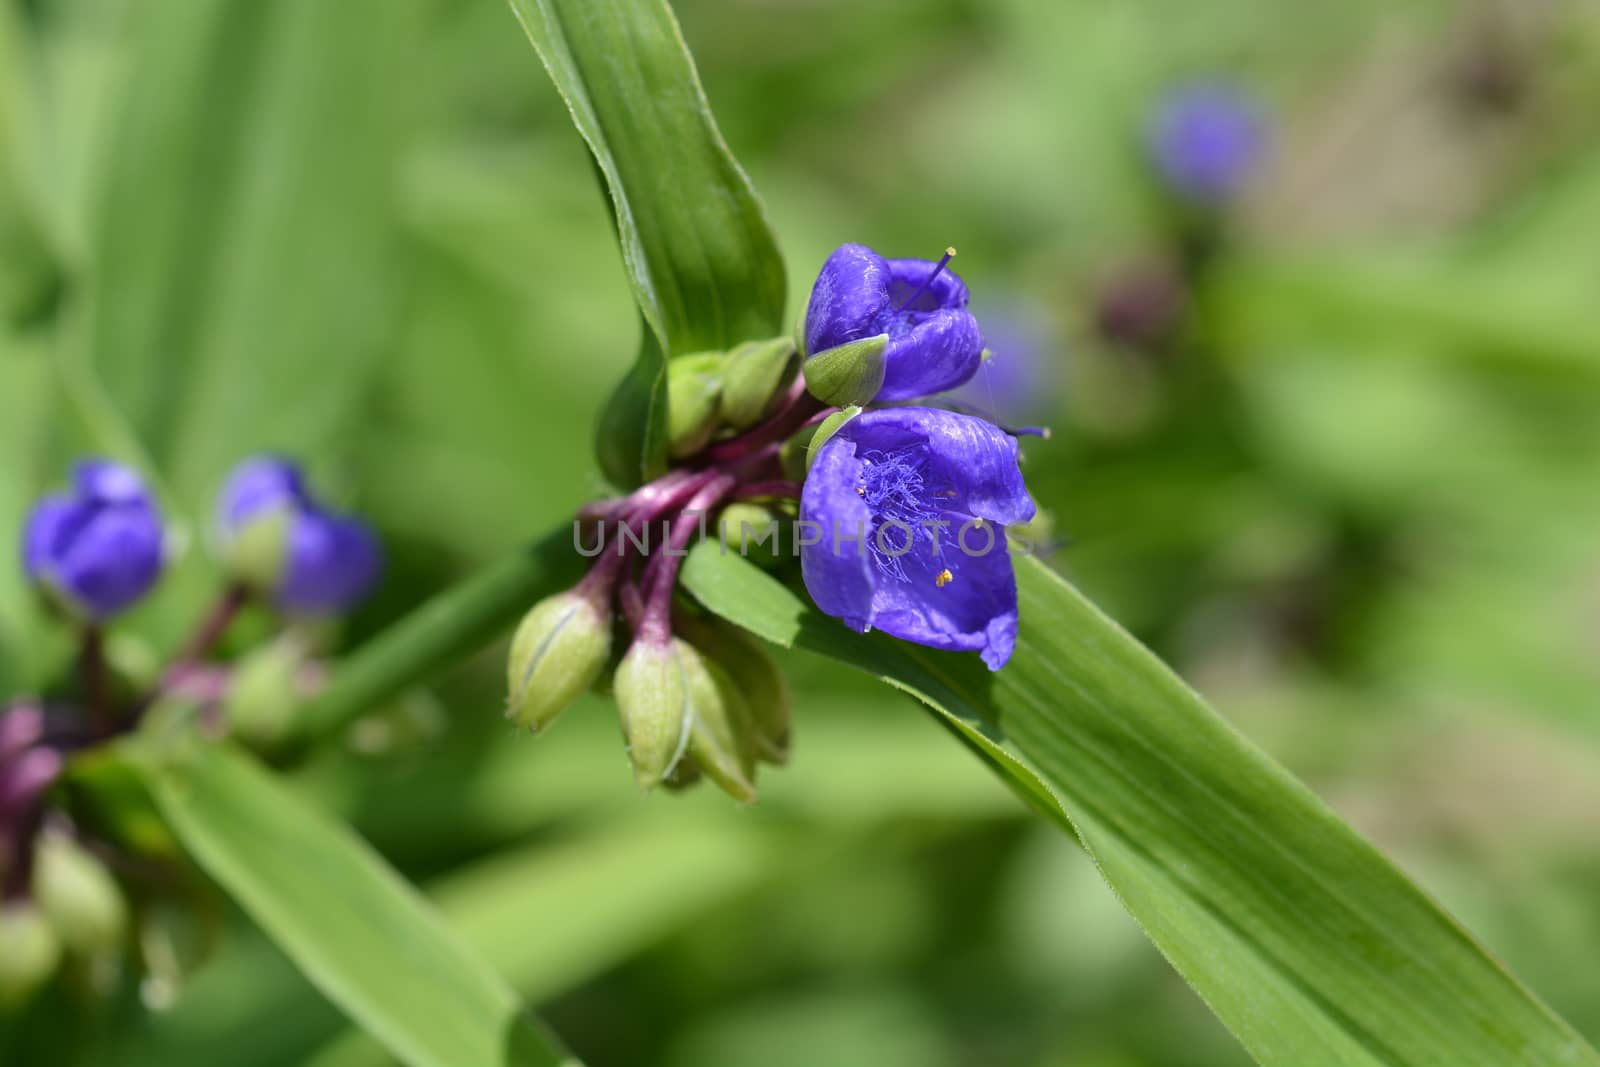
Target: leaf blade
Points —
{"points": [[357, 930], [701, 258], [1302, 938]]}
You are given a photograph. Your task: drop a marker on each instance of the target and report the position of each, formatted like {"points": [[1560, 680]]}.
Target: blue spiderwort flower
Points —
{"points": [[98, 548], [909, 505], [279, 540], [1205, 140], [934, 343]]}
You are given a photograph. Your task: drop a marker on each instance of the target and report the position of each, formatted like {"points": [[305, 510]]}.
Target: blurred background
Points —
{"points": [[1329, 441]]}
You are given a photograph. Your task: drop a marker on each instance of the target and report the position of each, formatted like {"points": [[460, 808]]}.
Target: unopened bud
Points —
{"points": [[849, 373], [757, 678], [721, 737], [694, 384], [753, 380], [653, 698], [753, 532], [264, 693], [77, 894], [30, 951], [559, 650]]}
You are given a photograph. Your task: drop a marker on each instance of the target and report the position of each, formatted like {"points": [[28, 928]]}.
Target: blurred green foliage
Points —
{"points": [[1357, 505]]}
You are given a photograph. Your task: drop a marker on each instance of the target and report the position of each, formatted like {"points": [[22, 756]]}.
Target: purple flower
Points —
{"points": [[934, 342], [99, 547], [311, 561], [1205, 139], [910, 505]]}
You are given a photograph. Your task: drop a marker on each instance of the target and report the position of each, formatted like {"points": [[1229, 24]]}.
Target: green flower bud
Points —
{"points": [[721, 738], [753, 532], [754, 378], [829, 427], [559, 650], [652, 695], [757, 678], [264, 695], [849, 373], [694, 384], [30, 952], [77, 894]]}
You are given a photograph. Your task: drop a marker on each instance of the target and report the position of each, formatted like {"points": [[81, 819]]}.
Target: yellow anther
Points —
{"points": [[944, 578]]}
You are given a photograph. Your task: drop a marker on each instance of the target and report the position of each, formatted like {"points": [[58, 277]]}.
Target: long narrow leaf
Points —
{"points": [[356, 929], [702, 261], [1299, 934]]}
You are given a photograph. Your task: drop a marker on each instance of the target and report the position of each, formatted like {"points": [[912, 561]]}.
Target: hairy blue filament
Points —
{"points": [[897, 495]]}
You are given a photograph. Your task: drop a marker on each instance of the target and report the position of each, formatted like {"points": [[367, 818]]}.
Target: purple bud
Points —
{"points": [[280, 540], [98, 548], [1206, 139]]}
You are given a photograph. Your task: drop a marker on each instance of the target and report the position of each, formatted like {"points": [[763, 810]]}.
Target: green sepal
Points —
{"points": [[258, 553], [849, 373], [829, 427]]}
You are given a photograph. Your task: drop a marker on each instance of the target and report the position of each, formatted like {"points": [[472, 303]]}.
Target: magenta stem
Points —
{"points": [[661, 574], [96, 679], [209, 633], [800, 407]]}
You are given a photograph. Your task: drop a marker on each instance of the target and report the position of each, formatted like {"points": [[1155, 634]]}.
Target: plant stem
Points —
{"points": [[96, 682], [208, 634]]}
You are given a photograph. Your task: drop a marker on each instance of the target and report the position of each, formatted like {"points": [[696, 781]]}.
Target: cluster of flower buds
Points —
{"points": [[812, 449], [93, 553]]}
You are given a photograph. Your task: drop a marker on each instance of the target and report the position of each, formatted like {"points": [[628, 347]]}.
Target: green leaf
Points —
{"points": [[357, 930], [1298, 933], [243, 281], [702, 261]]}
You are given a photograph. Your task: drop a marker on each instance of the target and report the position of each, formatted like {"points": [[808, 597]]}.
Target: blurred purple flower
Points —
{"points": [[911, 504], [325, 563], [934, 342], [99, 547], [1206, 139]]}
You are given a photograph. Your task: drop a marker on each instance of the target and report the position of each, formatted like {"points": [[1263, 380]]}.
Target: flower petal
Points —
{"points": [[849, 298], [962, 599], [838, 569], [256, 485], [333, 562], [51, 526], [947, 290], [112, 560], [942, 350], [972, 464], [105, 482]]}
